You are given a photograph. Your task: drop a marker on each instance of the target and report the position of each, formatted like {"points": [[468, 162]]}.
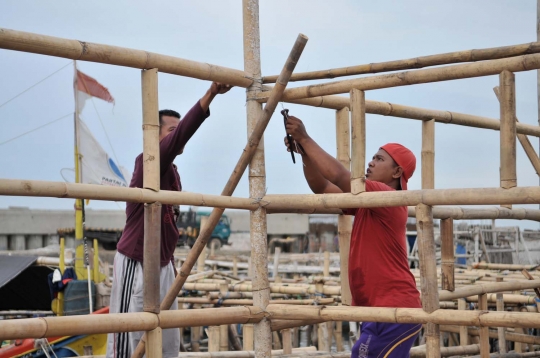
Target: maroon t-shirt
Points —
{"points": [[132, 241], [379, 274]]}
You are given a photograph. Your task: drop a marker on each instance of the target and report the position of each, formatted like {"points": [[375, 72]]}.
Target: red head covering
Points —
{"points": [[404, 158]]}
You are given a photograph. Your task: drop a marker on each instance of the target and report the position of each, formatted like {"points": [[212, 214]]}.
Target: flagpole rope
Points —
{"points": [[35, 84], [35, 129]]}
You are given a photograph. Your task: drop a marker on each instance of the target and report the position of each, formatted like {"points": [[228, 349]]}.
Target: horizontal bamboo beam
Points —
{"points": [[515, 267], [125, 322], [458, 213], [302, 352], [417, 62], [495, 287], [304, 289], [12, 187], [514, 337], [405, 315], [120, 56], [446, 73], [249, 302], [275, 203], [422, 114], [420, 351]]}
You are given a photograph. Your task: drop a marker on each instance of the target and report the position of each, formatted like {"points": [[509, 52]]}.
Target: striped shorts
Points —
{"points": [[127, 296]]}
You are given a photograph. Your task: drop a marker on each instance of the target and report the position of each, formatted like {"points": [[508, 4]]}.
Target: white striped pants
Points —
{"points": [[127, 296]]}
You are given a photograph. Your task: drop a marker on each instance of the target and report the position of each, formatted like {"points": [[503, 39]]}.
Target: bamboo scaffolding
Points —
{"points": [[125, 322], [405, 315], [445, 73], [508, 130], [428, 154], [343, 155], [420, 351], [463, 292], [358, 141], [509, 336], [428, 275], [525, 143], [417, 62], [422, 114], [120, 56], [516, 267], [306, 289], [248, 302], [277, 203], [500, 331], [152, 211], [447, 254], [484, 331], [463, 334]]}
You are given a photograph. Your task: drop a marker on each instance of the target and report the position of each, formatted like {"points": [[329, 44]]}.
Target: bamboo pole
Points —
{"points": [[501, 331], [428, 154], [509, 336], [525, 142], [276, 262], [287, 341], [152, 211], [213, 339], [233, 337], [445, 73], [463, 333], [422, 114], [420, 351], [249, 302], [224, 337], [125, 322], [447, 254], [508, 130], [358, 141], [326, 268], [459, 213], [343, 140], [417, 62], [247, 337], [304, 289], [275, 203], [255, 138], [512, 267], [405, 315], [467, 291], [428, 275], [484, 331], [120, 56]]}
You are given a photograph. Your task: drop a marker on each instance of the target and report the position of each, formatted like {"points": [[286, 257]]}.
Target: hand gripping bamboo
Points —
{"points": [[235, 177]]}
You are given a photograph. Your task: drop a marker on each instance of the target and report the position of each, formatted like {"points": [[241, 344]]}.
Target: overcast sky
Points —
{"points": [[341, 33]]}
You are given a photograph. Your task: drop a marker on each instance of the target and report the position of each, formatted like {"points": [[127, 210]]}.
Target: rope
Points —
{"points": [[35, 129], [35, 84]]}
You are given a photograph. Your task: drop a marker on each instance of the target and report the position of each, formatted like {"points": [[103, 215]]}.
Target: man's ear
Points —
{"points": [[398, 172]]}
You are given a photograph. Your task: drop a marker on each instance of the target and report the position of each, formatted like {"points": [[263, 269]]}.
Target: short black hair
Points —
{"points": [[168, 112]]}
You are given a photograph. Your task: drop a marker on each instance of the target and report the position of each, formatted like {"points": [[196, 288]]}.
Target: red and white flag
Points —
{"points": [[87, 87]]}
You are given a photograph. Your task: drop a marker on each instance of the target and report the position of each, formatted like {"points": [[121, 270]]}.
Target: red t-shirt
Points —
{"points": [[379, 274]]}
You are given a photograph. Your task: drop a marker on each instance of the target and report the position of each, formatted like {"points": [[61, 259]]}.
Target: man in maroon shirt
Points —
{"points": [[127, 289], [379, 274]]}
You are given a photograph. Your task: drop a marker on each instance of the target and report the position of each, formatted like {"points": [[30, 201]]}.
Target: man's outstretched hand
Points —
{"points": [[296, 129], [219, 88]]}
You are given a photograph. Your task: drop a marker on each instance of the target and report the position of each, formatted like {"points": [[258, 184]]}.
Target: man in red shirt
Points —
{"points": [[379, 274], [127, 289]]}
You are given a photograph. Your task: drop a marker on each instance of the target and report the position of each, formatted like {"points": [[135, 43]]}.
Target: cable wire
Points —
{"points": [[35, 129], [35, 84]]}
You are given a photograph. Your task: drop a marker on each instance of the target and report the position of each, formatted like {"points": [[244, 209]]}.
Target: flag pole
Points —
{"points": [[81, 251]]}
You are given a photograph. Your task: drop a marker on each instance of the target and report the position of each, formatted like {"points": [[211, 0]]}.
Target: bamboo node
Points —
{"points": [[390, 109], [46, 327], [84, 49]]}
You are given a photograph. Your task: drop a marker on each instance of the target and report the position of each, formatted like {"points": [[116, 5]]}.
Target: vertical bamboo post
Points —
{"points": [[202, 257], [358, 126], [152, 211], [247, 337], [500, 330], [518, 346], [235, 266], [463, 330], [484, 331], [287, 341], [343, 142], [276, 261], [428, 275], [224, 337], [326, 268], [213, 338], [257, 178], [428, 154], [338, 336], [154, 346], [447, 254], [508, 130], [196, 335]]}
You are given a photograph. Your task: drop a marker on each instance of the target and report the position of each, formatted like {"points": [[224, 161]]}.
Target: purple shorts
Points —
{"points": [[385, 340]]}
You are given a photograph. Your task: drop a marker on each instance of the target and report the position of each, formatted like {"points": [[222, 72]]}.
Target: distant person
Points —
{"points": [[127, 289], [379, 274]]}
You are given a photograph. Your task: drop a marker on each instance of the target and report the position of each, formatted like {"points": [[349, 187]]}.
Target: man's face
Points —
{"points": [[168, 124], [382, 168]]}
